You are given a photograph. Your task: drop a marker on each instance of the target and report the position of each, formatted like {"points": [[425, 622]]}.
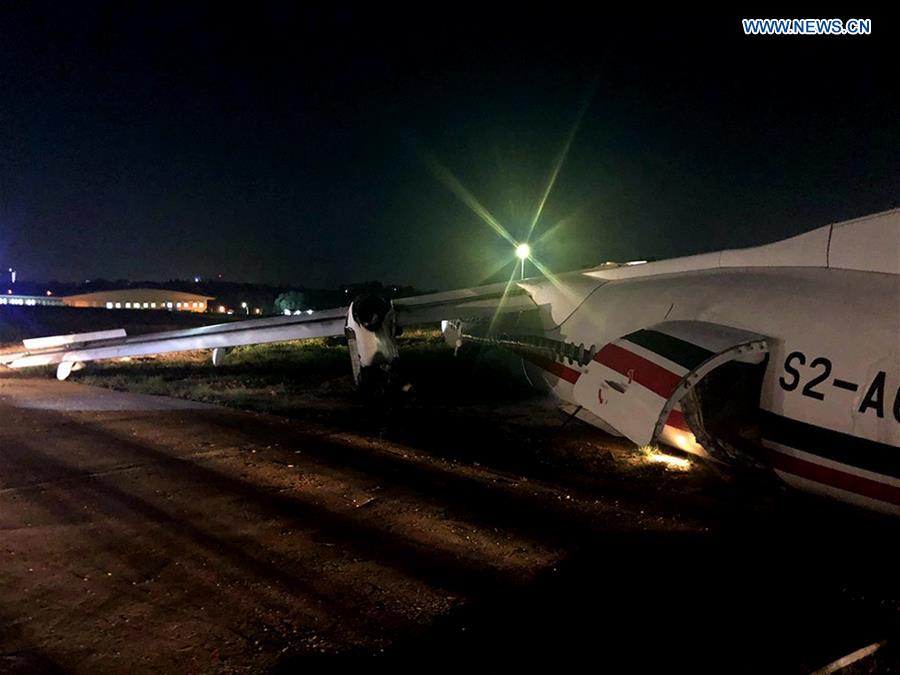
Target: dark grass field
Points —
{"points": [[267, 378], [308, 380]]}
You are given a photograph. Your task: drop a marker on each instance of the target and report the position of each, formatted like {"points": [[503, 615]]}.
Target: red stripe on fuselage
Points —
{"points": [[646, 373], [676, 419], [560, 370], [835, 478]]}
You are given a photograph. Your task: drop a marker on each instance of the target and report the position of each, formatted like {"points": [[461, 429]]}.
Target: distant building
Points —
{"points": [[132, 298], [30, 300], [141, 298]]}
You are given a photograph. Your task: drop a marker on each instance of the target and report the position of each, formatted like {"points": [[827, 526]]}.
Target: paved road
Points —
{"points": [[141, 532], [144, 534], [70, 397]]}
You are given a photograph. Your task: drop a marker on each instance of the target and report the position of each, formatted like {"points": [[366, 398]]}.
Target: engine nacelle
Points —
{"points": [[371, 330]]}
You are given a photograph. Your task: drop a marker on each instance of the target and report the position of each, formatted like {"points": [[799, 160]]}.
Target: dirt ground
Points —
{"points": [[173, 537]]}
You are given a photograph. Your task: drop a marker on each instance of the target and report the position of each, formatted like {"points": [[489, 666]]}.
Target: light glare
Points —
{"points": [[652, 455], [670, 461]]}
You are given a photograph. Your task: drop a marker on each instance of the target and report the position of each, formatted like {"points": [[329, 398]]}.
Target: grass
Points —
{"points": [[311, 377]]}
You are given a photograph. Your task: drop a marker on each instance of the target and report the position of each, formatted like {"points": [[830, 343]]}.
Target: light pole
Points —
{"points": [[245, 308], [523, 251]]}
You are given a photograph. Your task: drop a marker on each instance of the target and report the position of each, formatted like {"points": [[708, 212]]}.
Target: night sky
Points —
{"points": [[292, 145]]}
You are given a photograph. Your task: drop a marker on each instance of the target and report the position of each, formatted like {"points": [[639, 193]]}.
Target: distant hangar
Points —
{"points": [[131, 298]]}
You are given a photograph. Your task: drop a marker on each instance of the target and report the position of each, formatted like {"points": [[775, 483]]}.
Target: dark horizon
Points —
{"points": [[296, 146]]}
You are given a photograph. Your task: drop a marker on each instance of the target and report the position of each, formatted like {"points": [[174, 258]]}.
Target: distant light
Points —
{"points": [[309, 311], [9, 291], [49, 292], [243, 305], [523, 251], [196, 280], [221, 309], [637, 262], [287, 312]]}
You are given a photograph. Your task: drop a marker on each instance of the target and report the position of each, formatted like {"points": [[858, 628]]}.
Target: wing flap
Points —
{"points": [[74, 338]]}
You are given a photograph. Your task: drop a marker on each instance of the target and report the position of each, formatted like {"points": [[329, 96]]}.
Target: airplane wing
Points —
{"points": [[67, 350], [467, 304], [83, 347]]}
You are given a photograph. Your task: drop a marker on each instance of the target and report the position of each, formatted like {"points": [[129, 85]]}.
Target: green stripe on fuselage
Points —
{"points": [[675, 349]]}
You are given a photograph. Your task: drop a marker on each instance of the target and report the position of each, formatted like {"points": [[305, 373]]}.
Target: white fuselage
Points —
{"points": [[834, 358]]}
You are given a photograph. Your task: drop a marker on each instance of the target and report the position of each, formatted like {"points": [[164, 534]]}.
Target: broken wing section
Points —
{"points": [[69, 350], [635, 383]]}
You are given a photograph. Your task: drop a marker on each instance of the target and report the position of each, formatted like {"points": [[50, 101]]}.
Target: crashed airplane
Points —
{"points": [[784, 357]]}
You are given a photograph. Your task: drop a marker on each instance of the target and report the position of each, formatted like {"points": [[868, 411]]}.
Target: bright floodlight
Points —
{"points": [[523, 251]]}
